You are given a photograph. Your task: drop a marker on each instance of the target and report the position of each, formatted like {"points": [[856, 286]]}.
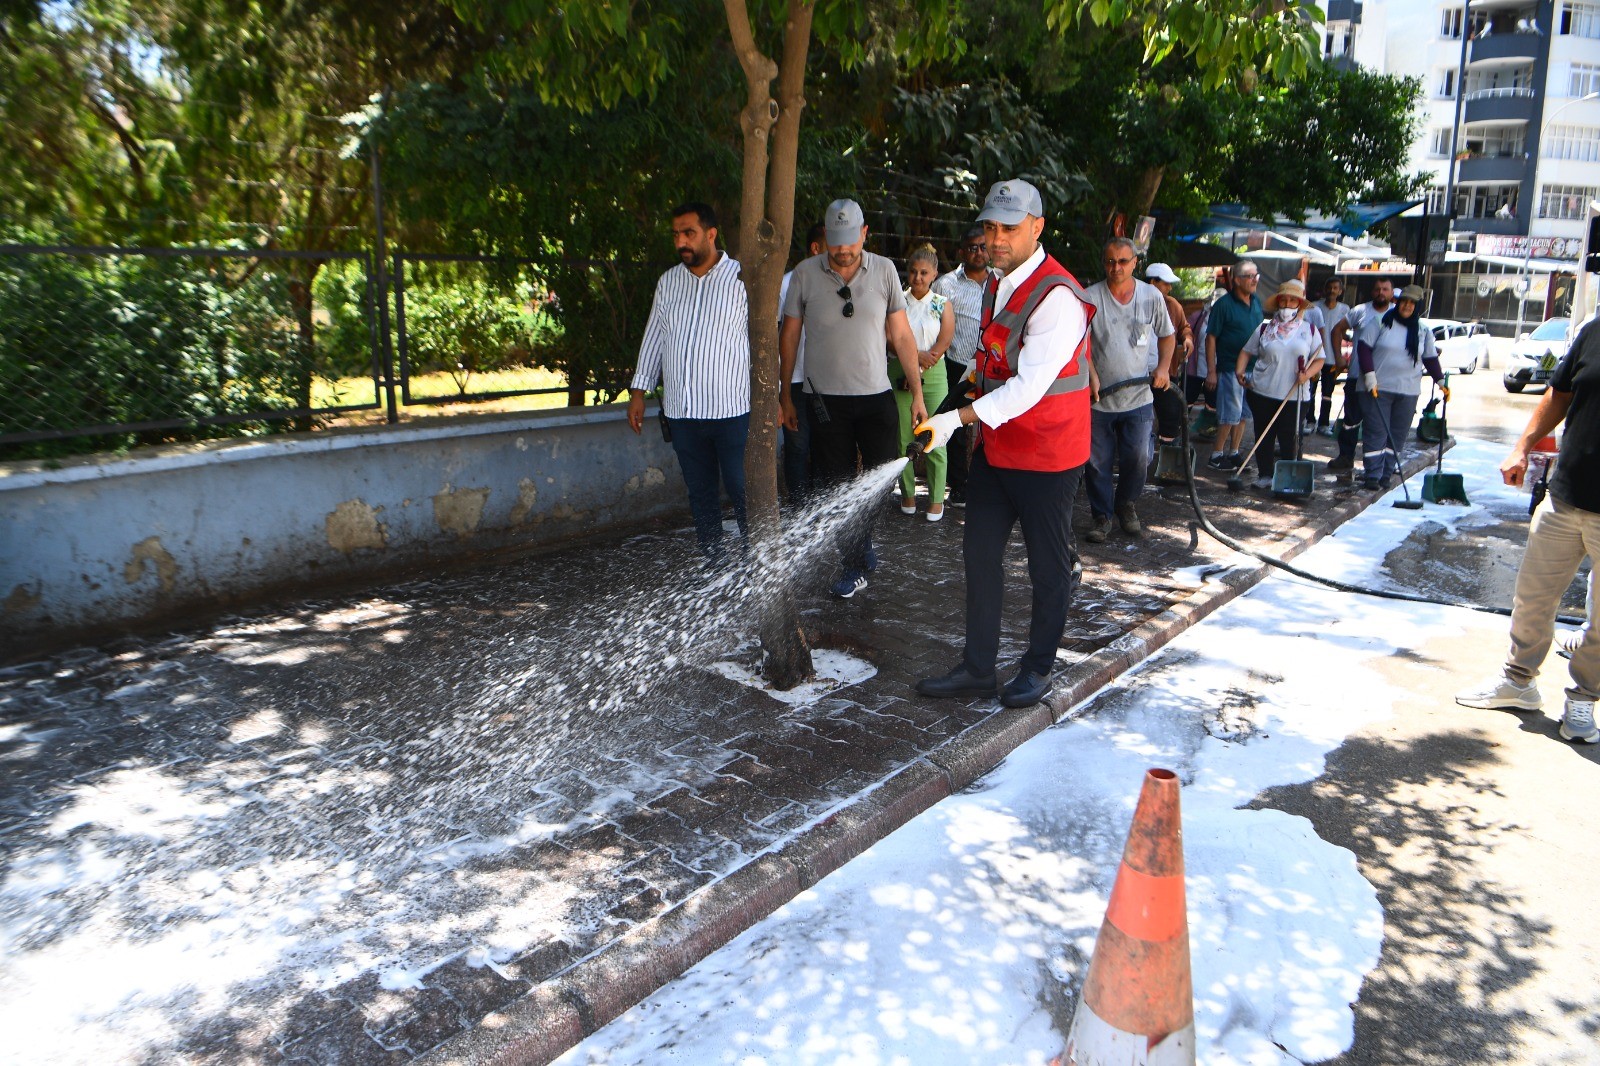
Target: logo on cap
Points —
{"points": [[840, 216]]}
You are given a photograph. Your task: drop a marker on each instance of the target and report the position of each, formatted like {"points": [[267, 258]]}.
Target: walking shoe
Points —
{"points": [[1386, 482], [1233, 461], [1371, 484], [1567, 642], [1322, 428], [908, 506], [1028, 688], [959, 683], [1577, 722], [955, 498], [1262, 484], [1099, 530], [935, 516], [1128, 518], [1218, 461], [1341, 464], [851, 583], [1501, 694]]}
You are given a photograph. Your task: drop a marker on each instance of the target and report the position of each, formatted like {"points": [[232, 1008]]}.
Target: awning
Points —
{"points": [[1535, 264], [1194, 253], [1355, 220]]}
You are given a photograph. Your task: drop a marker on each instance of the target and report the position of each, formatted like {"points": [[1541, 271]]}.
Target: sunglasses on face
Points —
{"points": [[968, 249], [849, 301], [1118, 262], [1247, 277]]}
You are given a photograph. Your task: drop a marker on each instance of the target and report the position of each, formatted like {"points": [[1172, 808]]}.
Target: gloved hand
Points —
{"points": [[941, 426], [1444, 390], [1369, 381]]}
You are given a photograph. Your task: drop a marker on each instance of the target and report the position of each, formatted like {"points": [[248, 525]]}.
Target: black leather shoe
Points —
{"points": [[1026, 689], [957, 684]]}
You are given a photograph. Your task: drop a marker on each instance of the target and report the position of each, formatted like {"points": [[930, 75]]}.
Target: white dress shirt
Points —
{"points": [[697, 343], [1054, 332]]}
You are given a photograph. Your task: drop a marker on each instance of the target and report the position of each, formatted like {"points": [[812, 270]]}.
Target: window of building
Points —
{"points": [[1565, 201], [1439, 148], [1446, 84], [1433, 198], [1572, 142], [1579, 20], [1487, 201], [1497, 142], [1584, 79], [1450, 23]]}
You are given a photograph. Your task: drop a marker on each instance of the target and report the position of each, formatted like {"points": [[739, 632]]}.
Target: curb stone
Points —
{"points": [[557, 1015]]}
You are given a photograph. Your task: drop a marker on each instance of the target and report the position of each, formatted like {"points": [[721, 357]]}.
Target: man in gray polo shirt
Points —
{"points": [[851, 307], [1128, 314]]}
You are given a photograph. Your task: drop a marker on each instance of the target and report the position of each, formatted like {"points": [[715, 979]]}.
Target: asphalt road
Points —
{"points": [[1474, 828]]}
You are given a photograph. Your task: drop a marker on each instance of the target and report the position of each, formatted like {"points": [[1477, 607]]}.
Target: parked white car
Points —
{"points": [[1463, 346], [1535, 355]]}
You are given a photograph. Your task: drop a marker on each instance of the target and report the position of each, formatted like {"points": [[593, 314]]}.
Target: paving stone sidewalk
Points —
{"points": [[288, 742]]}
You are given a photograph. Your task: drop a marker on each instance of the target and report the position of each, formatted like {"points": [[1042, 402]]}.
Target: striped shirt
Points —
{"points": [[697, 343], [967, 295]]}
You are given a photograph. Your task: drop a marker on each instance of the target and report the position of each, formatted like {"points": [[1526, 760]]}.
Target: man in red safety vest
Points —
{"points": [[1032, 377]]}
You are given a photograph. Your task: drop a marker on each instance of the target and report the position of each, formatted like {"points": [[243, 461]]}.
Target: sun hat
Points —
{"points": [[1160, 272], [1414, 293], [1293, 287]]}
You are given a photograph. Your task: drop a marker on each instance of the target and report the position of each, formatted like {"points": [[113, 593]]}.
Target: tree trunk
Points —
{"points": [[1144, 194], [766, 221]]}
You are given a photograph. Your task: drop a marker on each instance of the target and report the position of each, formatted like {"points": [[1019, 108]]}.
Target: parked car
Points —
{"points": [[1463, 346], [1535, 355]]}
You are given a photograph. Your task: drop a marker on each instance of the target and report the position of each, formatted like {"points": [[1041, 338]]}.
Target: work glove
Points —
{"points": [[941, 426], [1444, 390], [1369, 381]]}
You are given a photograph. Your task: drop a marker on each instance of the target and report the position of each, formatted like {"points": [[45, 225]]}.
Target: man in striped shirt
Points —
{"points": [[697, 343]]}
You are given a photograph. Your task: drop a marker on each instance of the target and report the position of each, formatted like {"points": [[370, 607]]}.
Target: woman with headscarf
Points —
{"points": [[1281, 356], [1393, 350], [933, 322]]}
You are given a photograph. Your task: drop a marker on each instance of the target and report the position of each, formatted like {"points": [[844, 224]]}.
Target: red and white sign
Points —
{"points": [[1542, 247]]}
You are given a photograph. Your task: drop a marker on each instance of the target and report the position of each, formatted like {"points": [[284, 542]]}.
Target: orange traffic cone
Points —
{"points": [[1137, 1007]]}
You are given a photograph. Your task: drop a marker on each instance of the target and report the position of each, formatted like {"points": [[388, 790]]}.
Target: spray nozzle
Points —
{"points": [[919, 443]]}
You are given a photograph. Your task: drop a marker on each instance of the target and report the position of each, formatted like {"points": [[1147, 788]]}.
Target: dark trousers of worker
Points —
{"points": [[797, 451], [1387, 425], [1329, 378], [1041, 503], [1277, 441], [711, 450], [1350, 432], [957, 450], [860, 432]]}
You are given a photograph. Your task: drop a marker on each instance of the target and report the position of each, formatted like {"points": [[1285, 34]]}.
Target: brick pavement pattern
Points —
{"points": [[300, 732]]}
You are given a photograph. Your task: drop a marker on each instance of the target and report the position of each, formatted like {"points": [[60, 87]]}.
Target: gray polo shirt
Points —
{"points": [[1121, 335], [845, 356]]}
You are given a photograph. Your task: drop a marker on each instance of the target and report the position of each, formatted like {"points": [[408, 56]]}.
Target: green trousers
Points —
{"points": [[935, 386]]}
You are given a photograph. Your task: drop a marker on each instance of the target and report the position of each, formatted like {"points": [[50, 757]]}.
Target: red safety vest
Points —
{"points": [[1053, 434]]}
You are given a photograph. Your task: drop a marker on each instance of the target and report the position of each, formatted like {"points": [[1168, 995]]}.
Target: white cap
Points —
{"points": [[844, 222], [1009, 202], [1161, 272]]}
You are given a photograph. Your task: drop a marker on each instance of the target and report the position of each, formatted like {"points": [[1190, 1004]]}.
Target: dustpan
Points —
{"points": [[1171, 467], [1439, 487], [1294, 479]]}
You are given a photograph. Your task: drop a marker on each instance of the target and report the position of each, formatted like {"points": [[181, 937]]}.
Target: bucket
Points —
{"points": [[1293, 479], [1444, 488], [1171, 469]]}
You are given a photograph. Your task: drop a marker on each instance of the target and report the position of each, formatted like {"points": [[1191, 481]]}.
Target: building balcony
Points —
{"points": [[1499, 105], [1344, 11], [1505, 48], [1490, 224], [1493, 168]]}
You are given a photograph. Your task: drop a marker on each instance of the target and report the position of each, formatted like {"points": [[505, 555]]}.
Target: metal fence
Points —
{"points": [[105, 348]]}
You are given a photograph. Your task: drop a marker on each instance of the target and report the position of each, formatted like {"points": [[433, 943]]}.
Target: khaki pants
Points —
{"points": [[1558, 539]]}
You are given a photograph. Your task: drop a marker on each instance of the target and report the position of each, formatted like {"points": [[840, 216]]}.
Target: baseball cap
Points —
{"points": [[844, 222], [1011, 201], [1161, 272]]}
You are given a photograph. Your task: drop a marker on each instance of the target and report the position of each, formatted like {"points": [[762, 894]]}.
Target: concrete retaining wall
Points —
{"points": [[108, 541]]}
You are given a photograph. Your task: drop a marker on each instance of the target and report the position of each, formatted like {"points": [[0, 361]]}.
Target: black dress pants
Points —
{"points": [[1041, 502], [861, 432], [957, 449]]}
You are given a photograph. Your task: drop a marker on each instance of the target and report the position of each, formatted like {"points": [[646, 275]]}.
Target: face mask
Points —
{"points": [[1285, 314]]}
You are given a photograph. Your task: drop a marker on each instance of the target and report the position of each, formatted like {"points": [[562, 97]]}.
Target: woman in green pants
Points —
{"points": [[933, 323]]}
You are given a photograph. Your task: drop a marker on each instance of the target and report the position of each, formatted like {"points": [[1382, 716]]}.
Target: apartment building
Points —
{"points": [[1512, 103]]}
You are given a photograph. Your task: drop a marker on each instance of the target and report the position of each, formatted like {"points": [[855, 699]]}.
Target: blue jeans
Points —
{"points": [[1123, 437], [708, 447]]}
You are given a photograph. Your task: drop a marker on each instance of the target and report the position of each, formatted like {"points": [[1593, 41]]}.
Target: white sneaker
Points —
{"points": [[1577, 723], [1501, 694], [1567, 642]]}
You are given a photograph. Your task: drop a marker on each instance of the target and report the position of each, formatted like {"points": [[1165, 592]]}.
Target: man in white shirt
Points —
{"points": [[1326, 316], [964, 287], [1032, 414], [697, 344]]}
